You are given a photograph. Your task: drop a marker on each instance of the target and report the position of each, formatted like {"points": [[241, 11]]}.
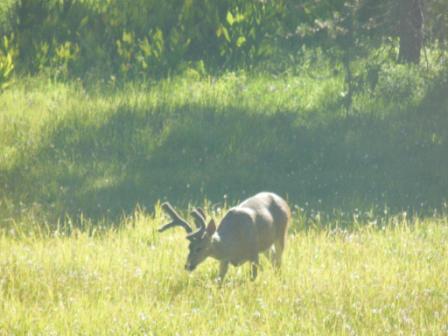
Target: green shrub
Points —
{"points": [[7, 54]]}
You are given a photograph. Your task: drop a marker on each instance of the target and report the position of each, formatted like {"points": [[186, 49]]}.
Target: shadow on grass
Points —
{"points": [[194, 153]]}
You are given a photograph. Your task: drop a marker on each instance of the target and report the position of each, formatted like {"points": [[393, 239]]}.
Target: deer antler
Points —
{"points": [[201, 212], [176, 219], [199, 218]]}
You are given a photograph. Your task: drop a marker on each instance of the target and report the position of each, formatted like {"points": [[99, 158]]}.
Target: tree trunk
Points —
{"points": [[410, 31]]}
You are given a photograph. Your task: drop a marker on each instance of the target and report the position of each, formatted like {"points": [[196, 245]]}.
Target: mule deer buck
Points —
{"points": [[259, 224]]}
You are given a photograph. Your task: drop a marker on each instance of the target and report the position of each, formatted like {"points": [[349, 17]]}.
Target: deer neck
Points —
{"points": [[216, 246]]}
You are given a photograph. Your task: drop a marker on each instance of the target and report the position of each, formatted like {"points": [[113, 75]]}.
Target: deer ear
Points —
{"points": [[211, 227]]}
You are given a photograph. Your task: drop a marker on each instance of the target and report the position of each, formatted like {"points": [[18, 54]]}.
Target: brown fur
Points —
{"points": [[258, 224]]}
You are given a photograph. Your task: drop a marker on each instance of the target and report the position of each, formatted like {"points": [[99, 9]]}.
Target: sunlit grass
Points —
{"points": [[62, 142], [370, 280], [100, 148], [70, 150]]}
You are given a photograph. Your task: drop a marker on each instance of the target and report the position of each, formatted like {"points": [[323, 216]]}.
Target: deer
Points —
{"points": [[258, 224]]}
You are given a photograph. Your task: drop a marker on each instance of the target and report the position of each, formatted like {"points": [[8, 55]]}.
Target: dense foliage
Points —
{"points": [[149, 37]]}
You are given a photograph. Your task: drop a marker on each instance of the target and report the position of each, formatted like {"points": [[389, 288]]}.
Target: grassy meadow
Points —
{"points": [[109, 108], [100, 149], [85, 165], [371, 280]]}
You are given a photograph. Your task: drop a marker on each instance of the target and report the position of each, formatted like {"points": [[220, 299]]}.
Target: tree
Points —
{"points": [[410, 31]]}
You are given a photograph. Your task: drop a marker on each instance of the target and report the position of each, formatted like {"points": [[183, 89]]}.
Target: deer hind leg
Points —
{"points": [[279, 247], [270, 254]]}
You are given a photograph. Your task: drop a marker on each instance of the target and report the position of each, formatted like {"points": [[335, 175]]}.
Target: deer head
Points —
{"points": [[200, 240]]}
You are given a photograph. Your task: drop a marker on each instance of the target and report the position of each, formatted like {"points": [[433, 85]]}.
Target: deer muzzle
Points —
{"points": [[190, 267]]}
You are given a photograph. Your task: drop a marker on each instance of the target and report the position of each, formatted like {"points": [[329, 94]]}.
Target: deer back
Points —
{"points": [[251, 227]]}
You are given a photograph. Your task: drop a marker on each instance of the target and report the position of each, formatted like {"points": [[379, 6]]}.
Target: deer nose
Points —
{"points": [[190, 267]]}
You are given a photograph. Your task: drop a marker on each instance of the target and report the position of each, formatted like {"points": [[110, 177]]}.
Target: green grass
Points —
{"points": [[92, 150], [100, 149], [84, 165], [370, 280]]}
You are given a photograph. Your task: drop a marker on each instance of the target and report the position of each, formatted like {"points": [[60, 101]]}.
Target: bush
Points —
{"points": [[6, 63]]}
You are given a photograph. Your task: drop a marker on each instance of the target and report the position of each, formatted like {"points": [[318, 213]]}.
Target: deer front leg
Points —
{"points": [[254, 267], [223, 267]]}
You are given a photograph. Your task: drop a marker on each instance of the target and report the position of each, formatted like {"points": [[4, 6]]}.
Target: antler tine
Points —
{"points": [[199, 218], [177, 220], [201, 212]]}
